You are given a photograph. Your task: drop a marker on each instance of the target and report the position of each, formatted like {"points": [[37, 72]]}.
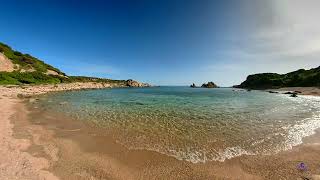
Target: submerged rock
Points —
{"points": [[209, 85]]}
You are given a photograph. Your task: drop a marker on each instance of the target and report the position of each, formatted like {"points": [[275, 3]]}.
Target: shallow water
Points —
{"points": [[194, 124]]}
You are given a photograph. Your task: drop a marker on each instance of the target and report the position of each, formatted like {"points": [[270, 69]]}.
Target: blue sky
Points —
{"points": [[166, 42]]}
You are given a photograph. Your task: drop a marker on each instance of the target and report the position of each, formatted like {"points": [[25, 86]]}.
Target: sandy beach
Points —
{"points": [[15, 163], [36, 144], [313, 91]]}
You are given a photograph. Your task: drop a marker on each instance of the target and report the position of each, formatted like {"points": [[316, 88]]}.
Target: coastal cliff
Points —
{"points": [[299, 78]]}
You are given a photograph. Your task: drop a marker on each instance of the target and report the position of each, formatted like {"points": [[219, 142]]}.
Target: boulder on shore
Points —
{"points": [[209, 85]]}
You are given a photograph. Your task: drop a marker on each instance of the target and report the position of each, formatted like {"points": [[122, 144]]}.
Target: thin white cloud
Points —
{"points": [[295, 30]]}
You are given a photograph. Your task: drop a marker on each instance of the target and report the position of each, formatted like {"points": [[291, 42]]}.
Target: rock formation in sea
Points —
{"points": [[133, 83], [209, 85]]}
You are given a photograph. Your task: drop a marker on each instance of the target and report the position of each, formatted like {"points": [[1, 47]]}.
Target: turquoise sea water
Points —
{"points": [[195, 124]]}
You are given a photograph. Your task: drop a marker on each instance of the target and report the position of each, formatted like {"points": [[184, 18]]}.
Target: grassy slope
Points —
{"points": [[26, 61], [299, 78]]}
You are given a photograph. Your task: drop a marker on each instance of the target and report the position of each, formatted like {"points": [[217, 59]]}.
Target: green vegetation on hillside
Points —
{"points": [[28, 78], [93, 79], [26, 61], [38, 74], [18, 78], [299, 78]]}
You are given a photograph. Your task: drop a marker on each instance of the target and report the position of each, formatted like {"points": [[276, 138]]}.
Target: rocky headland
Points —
{"points": [[299, 78]]}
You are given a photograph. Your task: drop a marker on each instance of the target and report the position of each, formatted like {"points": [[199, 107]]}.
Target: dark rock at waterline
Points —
{"points": [[293, 95], [193, 85], [209, 85], [289, 92], [272, 92], [139, 103]]}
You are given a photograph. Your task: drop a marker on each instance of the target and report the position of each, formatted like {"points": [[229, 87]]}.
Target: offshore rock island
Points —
{"points": [[205, 85]]}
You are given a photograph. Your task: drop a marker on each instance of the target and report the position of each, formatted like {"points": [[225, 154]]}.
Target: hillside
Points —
{"points": [[299, 78], [18, 68], [25, 62]]}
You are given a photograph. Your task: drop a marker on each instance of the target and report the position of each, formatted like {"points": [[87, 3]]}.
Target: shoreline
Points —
{"points": [[59, 144], [310, 91]]}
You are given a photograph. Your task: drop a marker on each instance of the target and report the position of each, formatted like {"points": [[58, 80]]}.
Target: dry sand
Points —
{"points": [[42, 145], [15, 163]]}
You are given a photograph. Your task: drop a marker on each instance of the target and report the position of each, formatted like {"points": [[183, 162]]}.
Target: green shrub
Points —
{"points": [[27, 78]]}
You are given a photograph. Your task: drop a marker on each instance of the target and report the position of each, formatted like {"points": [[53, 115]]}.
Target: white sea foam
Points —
{"points": [[304, 129], [307, 126], [202, 157]]}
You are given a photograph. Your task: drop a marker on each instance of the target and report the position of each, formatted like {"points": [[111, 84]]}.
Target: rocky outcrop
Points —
{"points": [[6, 64], [193, 85], [133, 83], [209, 85]]}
